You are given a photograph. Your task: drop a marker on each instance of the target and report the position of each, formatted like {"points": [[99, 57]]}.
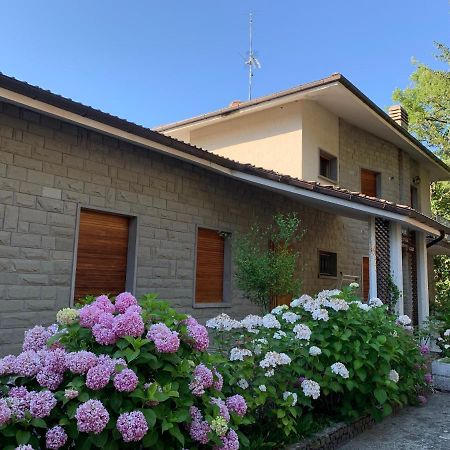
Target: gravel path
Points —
{"points": [[413, 428]]}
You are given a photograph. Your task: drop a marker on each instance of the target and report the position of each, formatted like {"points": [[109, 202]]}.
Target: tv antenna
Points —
{"points": [[251, 61]]}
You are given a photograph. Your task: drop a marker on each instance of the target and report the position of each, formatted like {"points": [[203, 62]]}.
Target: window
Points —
{"points": [[365, 277], [212, 277], [103, 254], [370, 181], [327, 264], [327, 165], [414, 197]]}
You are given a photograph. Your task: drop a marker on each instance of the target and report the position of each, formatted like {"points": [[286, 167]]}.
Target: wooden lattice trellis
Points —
{"points": [[383, 259], [409, 243]]}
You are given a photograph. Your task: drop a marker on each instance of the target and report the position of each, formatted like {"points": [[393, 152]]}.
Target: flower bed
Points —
{"points": [[118, 373]]}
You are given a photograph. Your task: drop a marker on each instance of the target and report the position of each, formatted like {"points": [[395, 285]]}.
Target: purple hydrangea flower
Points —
{"points": [[104, 303], [104, 335], [7, 364], [195, 413], [126, 381], [91, 417], [19, 392], [55, 438], [129, 324], [218, 380], [229, 442], [98, 377], [199, 431], [166, 340], [89, 315], [223, 408], [202, 379], [133, 309], [198, 333], [18, 406], [80, 362], [422, 399], [237, 404], [106, 360], [27, 364], [428, 378], [5, 412], [49, 379], [132, 426], [55, 360], [36, 338], [124, 301], [424, 349], [42, 403]]}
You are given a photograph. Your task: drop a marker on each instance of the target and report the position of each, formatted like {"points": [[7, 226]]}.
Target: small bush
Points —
{"points": [[116, 374], [329, 357]]}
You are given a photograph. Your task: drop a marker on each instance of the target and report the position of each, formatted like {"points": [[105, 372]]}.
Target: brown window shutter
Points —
{"points": [[369, 183], [102, 254], [210, 266], [365, 277]]}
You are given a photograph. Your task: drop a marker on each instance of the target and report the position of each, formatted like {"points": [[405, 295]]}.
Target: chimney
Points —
{"points": [[235, 103], [399, 115]]}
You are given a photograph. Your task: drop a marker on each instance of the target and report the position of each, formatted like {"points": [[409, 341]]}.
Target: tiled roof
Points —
{"points": [[42, 95]]}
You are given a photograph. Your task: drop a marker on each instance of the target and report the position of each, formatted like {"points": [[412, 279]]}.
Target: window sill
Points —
{"points": [[212, 305], [328, 277], [321, 177]]}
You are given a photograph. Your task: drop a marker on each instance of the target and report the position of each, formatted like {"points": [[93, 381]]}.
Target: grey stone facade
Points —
{"points": [[48, 169]]}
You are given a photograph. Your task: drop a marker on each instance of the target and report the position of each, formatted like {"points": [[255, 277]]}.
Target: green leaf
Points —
{"points": [[23, 436], [83, 397], [176, 433], [150, 416], [358, 363], [101, 439], [39, 423], [150, 439], [380, 395]]}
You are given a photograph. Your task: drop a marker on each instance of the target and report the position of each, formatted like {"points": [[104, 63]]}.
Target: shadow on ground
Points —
{"points": [[413, 428]]}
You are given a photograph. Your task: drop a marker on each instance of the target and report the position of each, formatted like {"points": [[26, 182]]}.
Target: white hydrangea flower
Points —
{"points": [[238, 354], [354, 285], [251, 322], [270, 321], [447, 332], [279, 335], [242, 383], [312, 305], [67, 316], [269, 373], [404, 320], [223, 322], [320, 314], [279, 309], [440, 339], [300, 301], [375, 302], [363, 306], [446, 346], [262, 388], [274, 359], [288, 394], [290, 317], [327, 295], [394, 376], [339, 369], [311, 389], [338, 304], [257, 350], [314, 351], [302, 331]]}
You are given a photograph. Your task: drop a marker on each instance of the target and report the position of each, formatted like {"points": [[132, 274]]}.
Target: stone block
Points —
{"points": [[33, 215], [11, 218]]}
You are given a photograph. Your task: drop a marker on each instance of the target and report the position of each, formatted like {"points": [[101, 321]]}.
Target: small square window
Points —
{"points": [[327, 264], [327, 165]]}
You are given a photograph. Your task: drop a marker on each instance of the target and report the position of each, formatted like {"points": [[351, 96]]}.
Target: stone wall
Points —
{"points": [[49, 168]]}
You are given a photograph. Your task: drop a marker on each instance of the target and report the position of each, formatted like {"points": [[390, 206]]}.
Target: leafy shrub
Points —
{"points": [[117, 374], [329, 356]]}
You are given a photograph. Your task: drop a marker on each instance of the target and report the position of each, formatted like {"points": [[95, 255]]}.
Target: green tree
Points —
{"points": [[427, 101], [266, 260]]}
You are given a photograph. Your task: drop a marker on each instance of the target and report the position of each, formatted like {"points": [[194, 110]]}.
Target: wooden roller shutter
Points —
{"points": [[369, 183], [210, 266], [102, 254], [365, 277]]}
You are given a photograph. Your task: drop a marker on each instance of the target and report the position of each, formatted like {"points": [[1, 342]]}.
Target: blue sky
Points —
{"points": [[154, 62]]}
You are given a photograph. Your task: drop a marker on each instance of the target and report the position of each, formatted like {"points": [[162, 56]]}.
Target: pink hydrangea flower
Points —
{"points": [[124, 301], [98, 377], [104, 335], [80, 362], [55, 438], [36, 338], [129, 324], [126, 381], [27, 364], [42, 403], [166, 340], [237, 404], [132, 426], [91, 417], [89, 315], [198, 333], [133, 309], [104, 303]]}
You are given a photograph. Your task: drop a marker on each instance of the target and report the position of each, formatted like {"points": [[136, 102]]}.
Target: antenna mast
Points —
{"points": [[251, 61]]}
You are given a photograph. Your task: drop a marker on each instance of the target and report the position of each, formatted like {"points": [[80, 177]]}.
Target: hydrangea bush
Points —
{"points": [[328, 356], [117, 373]]}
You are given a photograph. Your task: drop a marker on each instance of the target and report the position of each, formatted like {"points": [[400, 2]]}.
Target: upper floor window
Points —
{"points": [[327, 165], [213, 271], [414, 197], [370, 183]]}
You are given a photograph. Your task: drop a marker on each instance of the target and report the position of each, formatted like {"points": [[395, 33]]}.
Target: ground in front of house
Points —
{"points": [[413, 428]]}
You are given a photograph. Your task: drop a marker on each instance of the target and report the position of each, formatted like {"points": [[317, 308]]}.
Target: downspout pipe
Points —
{"points": [[437, 240]]}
